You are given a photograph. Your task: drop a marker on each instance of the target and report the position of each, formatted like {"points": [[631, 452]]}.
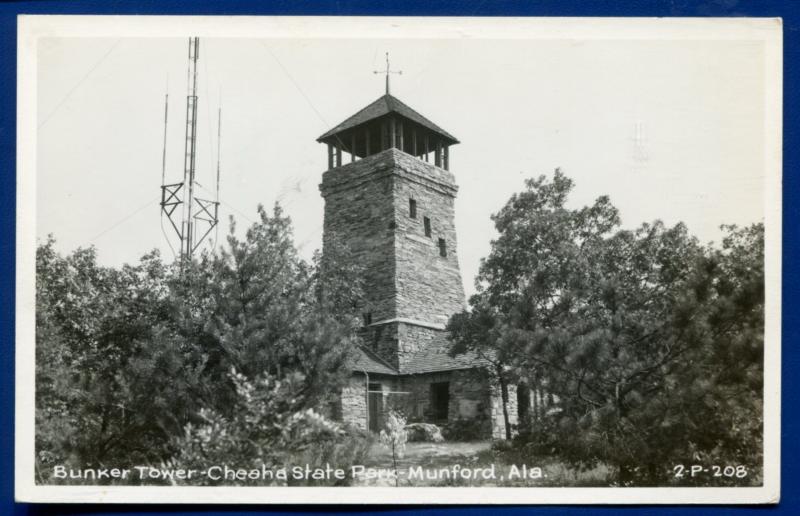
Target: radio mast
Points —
{"points": [[198, 216]]}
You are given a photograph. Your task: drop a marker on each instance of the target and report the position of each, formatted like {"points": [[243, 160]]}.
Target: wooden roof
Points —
{"points": [[383, 106]]}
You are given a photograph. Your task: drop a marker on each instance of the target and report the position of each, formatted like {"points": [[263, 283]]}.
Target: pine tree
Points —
{"points": [[652, 343]]}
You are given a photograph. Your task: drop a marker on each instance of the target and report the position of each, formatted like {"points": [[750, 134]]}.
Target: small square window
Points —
{"points": [[442, 248], [427, 223], [412, 208]]}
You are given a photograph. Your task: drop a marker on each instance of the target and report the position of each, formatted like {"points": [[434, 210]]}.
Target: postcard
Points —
{"points": [[349, 260]]}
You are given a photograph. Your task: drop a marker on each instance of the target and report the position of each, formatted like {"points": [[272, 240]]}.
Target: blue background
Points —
{"points": [[789, 10]]}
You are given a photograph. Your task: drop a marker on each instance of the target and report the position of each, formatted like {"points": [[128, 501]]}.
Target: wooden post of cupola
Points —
{"points": [[438, 155], [366, 140], [392, 133], [400, 135], [352, 147], [414, 142], [446, 157], [330, 156], [339, 154]]}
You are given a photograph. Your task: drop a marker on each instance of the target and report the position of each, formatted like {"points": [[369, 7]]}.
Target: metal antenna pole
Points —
{"points": [[219, 149], [194, 209], [164, 150], [164, 190], [204, 213], [190, 149]]}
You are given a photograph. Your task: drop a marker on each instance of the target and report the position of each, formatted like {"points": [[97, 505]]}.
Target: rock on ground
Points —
{"points": [[426, 432]]}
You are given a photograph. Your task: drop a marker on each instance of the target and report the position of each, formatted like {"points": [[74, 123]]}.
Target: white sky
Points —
{"points": [[669, 129]]}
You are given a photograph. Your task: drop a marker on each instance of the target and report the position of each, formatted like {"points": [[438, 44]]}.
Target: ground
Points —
{"points": [[426, 455]]}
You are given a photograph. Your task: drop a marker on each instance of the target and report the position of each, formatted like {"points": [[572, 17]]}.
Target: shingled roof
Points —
{"points": [[383, 106], [435, 358], [366, 360]]}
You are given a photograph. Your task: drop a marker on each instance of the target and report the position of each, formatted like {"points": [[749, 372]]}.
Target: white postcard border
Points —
{"points": [[30, 28]]}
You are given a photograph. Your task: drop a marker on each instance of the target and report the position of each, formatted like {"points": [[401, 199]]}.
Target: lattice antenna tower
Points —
{"points": [[198, 216]]}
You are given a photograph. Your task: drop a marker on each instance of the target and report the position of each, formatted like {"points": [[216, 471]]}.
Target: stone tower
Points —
{"points": [[391, 202]]}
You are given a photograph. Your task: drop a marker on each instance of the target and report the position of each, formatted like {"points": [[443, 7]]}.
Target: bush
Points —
{"points": [[267, 431], [349, 448], [463, 430]]}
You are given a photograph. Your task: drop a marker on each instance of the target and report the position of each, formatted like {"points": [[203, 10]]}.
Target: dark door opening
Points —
{"points": [[440, 400], [523, 401], [375, 406]]}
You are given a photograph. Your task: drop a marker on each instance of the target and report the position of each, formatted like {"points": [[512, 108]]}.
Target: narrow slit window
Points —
{"points": [[442, 248], [427, 223], [367, 318], [412, 208]]}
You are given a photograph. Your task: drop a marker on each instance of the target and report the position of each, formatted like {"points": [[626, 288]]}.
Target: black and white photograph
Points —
{"points": [[398, 260]]}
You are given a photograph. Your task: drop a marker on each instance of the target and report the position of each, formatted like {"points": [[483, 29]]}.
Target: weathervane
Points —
{"points": [[388, 71]]}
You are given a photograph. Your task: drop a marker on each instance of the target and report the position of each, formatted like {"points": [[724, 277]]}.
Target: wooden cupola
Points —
{"points": [[384, 124]]}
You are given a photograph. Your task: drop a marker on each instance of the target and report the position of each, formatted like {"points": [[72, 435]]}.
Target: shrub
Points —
{"points": [[394, 438], [463, 430], [266, 430]]}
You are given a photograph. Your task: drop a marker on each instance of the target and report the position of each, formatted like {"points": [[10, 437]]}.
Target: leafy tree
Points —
{"points": [[126, 357], [103, 378], [640, 333]]}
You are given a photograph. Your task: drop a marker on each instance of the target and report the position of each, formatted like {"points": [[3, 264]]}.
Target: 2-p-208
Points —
{"points": [[738, 471]]}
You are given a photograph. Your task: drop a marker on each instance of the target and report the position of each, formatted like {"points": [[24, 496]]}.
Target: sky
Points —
{"points": [[669, 129]]}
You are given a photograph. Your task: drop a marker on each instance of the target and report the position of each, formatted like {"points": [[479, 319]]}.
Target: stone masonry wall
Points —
{"points": [[383, 339], [367, 209], [354, 402], [429, 286], [474, 400], [399, 342], [359, 213], [354, 399], [412, 339], [497, 418], [469, 399], [418, 401]]}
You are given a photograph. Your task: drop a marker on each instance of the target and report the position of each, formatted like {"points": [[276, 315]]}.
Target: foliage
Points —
{"points": [[257, 307], [268, 428], [472, 332], [652, 342], [105, 372], [462, 430], [394, 438], [126, 357]]}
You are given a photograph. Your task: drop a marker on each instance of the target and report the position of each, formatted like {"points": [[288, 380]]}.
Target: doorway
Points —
{"points": [[375, 407], [440, 400]]}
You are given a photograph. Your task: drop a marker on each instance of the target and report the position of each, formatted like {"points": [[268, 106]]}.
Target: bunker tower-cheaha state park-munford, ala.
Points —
{"points": [[391, 202]]}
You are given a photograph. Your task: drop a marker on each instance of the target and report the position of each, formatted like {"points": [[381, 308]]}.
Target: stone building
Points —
{"points": [[389, 196]]}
